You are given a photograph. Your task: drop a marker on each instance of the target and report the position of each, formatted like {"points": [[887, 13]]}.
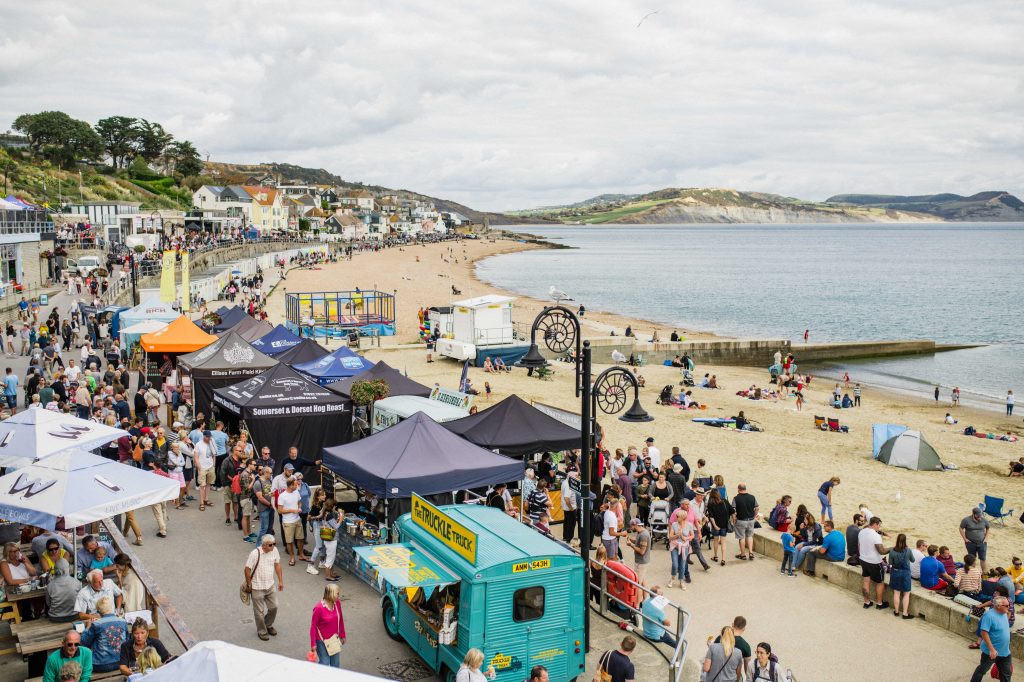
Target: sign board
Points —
{"points": [[575, 485], [450, 397], [444, 528]]}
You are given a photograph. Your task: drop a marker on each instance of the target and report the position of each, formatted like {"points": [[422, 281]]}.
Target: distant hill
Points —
{"points": [[593, 203], [710, 205], [290, 174], [983, 206]]}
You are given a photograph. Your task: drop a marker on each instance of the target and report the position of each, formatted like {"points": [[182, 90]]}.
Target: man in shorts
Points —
{"points": [[11, 390], [289, 506], [974, 530], [245, 480], [871, 551], [744, 513], [206, 467]]}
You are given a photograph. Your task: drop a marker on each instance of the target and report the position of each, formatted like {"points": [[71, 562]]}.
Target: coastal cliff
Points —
{"points": [[710, 205]]}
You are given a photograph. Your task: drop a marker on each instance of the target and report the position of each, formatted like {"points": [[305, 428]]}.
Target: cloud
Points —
{"points": [[505, 105]]}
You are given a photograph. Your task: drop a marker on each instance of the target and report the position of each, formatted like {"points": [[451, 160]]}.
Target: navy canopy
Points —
{"points": [[278, 340], [420, 456], [251, 329], [228, 319], [305, 350], [340, 364], [397, 383], [514, 427]]}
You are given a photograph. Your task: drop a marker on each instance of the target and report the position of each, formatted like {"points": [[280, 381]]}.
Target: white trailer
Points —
{"points": [[481, 322]]}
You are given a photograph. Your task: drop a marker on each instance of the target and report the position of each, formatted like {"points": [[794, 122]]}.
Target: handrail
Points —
{"points": [[154, 594], [682, 620]]}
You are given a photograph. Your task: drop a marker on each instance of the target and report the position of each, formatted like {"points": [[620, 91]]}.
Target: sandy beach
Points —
{"points": [[789, 457]]}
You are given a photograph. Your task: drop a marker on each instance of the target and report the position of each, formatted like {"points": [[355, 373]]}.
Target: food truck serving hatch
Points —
{"points": [[405, 565]]}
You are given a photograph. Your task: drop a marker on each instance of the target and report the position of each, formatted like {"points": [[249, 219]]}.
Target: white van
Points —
{"points": [[83, 266]]}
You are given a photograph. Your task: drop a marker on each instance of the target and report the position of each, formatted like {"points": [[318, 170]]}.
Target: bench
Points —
{"points": [[115, 676], [930, 606]]}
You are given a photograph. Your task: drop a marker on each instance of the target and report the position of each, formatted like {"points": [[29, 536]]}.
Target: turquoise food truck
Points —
{"points": [[469, 576]]}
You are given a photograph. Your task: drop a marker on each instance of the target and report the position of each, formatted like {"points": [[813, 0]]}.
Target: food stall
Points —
{"points": [[393, 409], [177, 338], [469, 576]]}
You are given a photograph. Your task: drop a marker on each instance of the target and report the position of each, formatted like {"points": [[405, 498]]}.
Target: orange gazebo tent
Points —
{"points": [[180, 336]]}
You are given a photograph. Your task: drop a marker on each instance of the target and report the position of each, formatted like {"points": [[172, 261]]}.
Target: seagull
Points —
{"points": [[647, 15], [557, 295]]}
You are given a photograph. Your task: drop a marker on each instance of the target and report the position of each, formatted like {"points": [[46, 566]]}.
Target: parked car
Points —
{"points": [[83, 266]]}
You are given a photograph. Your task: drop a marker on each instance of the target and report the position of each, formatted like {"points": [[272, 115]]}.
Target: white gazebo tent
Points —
{"points": [[218, 661], [132, 334], [34, 434]]}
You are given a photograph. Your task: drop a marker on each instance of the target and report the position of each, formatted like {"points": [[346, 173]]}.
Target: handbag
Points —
{"points": [[994, 672], [333, 643], [245, 592], [602, 674], [327, 533]]}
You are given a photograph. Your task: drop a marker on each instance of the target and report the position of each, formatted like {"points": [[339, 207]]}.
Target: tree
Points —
{"points": [[183, 158], [152, 140], [58, 137], [120, 135]]}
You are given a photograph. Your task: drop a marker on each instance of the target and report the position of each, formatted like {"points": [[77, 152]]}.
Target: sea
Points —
{"points": [[953, 283]]}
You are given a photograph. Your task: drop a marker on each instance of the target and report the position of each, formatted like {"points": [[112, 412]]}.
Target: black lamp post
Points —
{"points": [[561, 331]]}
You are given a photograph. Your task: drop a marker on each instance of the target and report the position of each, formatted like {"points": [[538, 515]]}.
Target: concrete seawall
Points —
{"points": [[755, 352]]}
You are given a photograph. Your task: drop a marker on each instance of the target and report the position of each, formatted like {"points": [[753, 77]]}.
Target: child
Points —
{"points": [[102, 560], [487, 389], [787, 555]]}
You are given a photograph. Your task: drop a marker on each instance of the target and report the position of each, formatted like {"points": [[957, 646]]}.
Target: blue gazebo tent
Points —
{"points": [[159, 311], [278, 340], [340, 364]]}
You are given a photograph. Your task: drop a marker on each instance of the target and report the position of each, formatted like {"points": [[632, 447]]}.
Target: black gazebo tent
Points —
{"points": [[251, 329], [224, 362], [228, 319], [281, 408], [514, 427], [306, 351], [397, 383], [420, 456]]}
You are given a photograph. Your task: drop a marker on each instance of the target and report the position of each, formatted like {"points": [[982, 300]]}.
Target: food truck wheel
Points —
{"points": [[391, 621], [448, 675]]}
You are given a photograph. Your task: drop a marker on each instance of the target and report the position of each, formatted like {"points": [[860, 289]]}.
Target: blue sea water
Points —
{"points": [[950, 282]]}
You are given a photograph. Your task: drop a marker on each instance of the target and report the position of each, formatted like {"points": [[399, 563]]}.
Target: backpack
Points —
{"points": [[236, 485], [773, 518]]}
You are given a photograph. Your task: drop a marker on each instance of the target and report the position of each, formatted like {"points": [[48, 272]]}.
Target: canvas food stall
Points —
{"points": [[177, 338], [469, 576], [224, 362]]}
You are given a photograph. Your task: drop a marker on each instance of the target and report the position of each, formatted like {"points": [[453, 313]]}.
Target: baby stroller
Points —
{"points": [[687, 378], [658, 520]]}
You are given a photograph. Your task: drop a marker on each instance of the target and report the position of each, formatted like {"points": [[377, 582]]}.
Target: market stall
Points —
{"points": [[30, 435], [397, 383], [130, 335], [514, 427], [152, 310], [305, 350], [251, 329], [394, 409], [224, 362], [340, 364], [229, 317], [281, 408], [165, 345], [276, 341]]}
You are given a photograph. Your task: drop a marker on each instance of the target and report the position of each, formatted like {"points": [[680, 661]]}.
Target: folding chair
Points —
{"points": [[993, 506]]}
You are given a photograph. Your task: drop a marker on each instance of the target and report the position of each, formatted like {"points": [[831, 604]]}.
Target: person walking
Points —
{"points": [[469, 671], [263, 564], [763, 667], [936, 394], [11, 390], [615, 665], [723, 661], [974, 530], [825, 496], [264, 502], [288, 506], [327, 630], [995, 642], [570, 507]]}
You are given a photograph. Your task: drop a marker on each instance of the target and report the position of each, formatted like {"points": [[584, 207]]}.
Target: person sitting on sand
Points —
{"points": [[949, 419], [713, 382], [779, 519], [640, 381], [500, 366], [488, 366], [847, 401], [1017, 468], [706, 381], [677, 361], [740, 420]]}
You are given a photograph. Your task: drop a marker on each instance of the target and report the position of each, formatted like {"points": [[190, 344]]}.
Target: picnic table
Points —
{"points": [[38, 635], [14, 598]]}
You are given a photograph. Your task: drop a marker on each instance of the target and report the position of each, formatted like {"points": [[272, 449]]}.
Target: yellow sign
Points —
{"points": [[167, 277], [523, 566], [501, 661], [457, 537], [186, 293]]}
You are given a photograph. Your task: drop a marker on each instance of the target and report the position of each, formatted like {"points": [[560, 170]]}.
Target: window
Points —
{"points": [[528, 604]]}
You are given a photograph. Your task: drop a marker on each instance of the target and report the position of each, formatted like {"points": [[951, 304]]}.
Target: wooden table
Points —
{"points": [[38, 635], [15, 597]]}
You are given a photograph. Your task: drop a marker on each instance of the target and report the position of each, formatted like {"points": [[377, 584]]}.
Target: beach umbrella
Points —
{"points": [[75, 487], [36, 433], [911, 451]]}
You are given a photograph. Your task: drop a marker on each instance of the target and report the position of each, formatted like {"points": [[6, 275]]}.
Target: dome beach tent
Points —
{"points": [[911, 451], [277, 341], [881, 433], [225, 362], [332, 367]]}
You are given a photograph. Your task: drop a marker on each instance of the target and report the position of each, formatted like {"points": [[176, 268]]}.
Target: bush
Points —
{"points": [[139, 248]]}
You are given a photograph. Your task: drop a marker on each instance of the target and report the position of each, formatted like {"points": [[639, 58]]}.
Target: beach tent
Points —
{"points": [[276, 341], [10, 206], [911, 451], [397, 383], [514, 427], [148, 311], [306, 350], [282, 408], [228, 319], [418, 455], [33, 434], [340, 364], [180, 336], [881, 433], [131, 335], [227, 361], [73, 488], [251, 329], [217, 661]]}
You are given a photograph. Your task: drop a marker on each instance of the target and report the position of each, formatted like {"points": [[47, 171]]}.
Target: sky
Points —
{"points": [[512, 105]]}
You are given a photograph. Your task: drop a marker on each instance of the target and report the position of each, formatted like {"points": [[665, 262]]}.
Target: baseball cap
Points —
{"points": [[650, 439], [177, 425], [636, 522], [289, 465], [207, 433]]}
